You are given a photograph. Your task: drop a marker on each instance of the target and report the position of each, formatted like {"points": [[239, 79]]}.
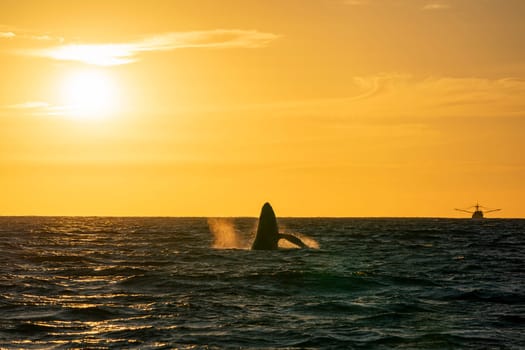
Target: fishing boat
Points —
{"points": [[478, 212]]}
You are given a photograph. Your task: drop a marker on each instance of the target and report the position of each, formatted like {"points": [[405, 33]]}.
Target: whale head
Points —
{"points": [[267, 235]]}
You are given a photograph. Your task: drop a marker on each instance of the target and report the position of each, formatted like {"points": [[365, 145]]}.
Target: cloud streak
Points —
{"points": [[354, 2], [7, 35], [435, 7], [29, 105], [14, 33], [125, 53], [400, 97], [36, 109]]}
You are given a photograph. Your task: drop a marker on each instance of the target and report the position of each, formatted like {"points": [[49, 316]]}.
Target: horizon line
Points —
{"points": [[244, 217]]}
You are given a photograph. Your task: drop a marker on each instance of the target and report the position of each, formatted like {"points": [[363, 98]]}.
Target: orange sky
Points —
{"points": [[210, 108]]}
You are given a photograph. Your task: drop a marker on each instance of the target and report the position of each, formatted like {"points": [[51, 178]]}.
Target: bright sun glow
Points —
{"points": [[89, 94]]}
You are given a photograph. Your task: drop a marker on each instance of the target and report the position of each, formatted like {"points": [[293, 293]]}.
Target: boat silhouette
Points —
{"points": [[478, 212]]}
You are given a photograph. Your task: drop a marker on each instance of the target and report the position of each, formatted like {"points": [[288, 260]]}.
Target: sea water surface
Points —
{"points": [[152, 283]]}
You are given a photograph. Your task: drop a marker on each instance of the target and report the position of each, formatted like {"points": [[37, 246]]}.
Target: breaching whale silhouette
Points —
{"points": [[268, 235]]}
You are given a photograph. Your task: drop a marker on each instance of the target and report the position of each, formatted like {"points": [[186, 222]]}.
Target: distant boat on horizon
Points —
{"points": [[477, 213]]}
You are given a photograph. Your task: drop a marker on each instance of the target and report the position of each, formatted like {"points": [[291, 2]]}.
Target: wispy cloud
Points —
{"points": [[354, 2], [16, 33], [128, 52], [7, 35], [396, 96], [38, 109], [436, 6], [29, 105], [33, 108]]}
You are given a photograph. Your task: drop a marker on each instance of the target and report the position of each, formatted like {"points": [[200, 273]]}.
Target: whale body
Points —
{"points": [[268, 236]]}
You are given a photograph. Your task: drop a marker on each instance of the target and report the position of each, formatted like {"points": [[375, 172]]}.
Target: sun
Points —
{"points": [[89, 94]]}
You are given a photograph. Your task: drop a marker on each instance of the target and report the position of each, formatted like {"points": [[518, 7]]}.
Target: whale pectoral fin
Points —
{"points": [[293, 240]]}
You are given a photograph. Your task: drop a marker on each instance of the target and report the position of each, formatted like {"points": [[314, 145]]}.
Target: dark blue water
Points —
{"points": [[159, 283]]}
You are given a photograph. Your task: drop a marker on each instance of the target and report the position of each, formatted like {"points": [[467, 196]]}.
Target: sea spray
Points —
{"points": [[310, 242], [225, 236]]}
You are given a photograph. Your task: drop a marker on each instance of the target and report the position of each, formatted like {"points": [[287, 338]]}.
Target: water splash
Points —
{"points": [[225, 236], [310, 242]]}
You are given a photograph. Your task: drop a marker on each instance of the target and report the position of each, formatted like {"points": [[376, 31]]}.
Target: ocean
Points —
{"points": [[193, 283]]}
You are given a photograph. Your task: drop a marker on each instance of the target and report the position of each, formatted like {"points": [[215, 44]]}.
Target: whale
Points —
{"points": [[268, 236]]}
